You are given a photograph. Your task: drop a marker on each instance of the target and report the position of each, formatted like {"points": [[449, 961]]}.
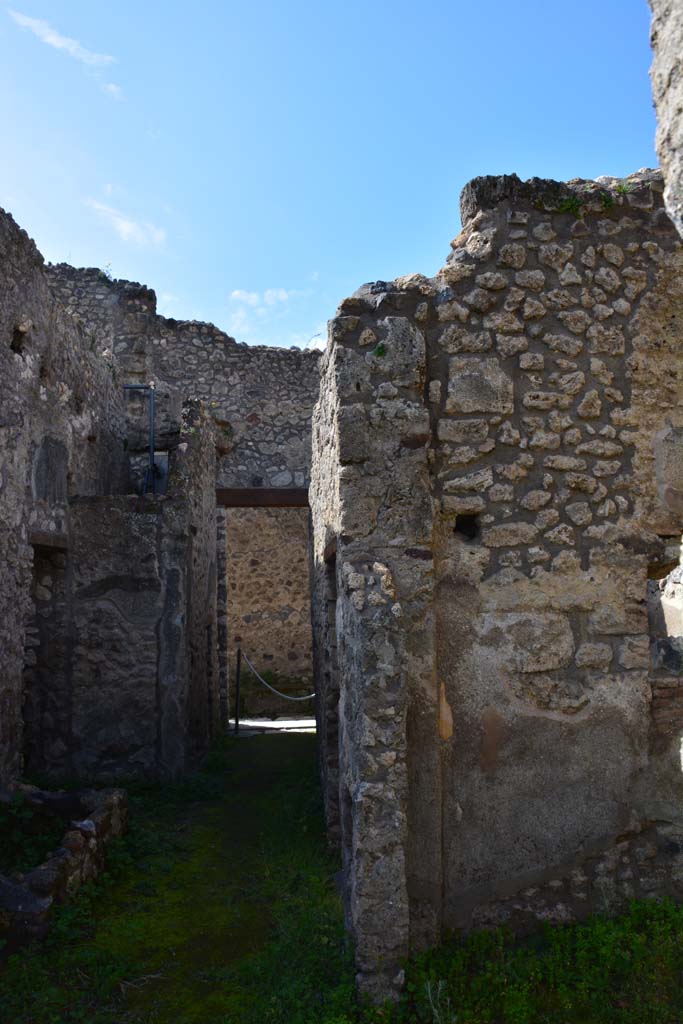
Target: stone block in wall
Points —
{"points": [[478, 385], [534, 642]]}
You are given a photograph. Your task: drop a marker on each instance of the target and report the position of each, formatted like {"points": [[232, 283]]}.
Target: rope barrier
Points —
{"points": [[272, 688]]}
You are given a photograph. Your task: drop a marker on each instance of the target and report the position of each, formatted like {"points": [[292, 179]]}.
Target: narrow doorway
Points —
{"points": [[268, 616]]}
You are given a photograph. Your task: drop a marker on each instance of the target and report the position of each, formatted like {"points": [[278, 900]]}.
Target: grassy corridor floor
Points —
{"points": [[220, 908]]}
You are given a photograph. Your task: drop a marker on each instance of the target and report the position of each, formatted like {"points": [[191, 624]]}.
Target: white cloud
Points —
{"points": [[258, 317], [138, 232], [238, 324], [315, 339], [169, 298], [51, 37], [248, 298], [272, 296], [113, 90]]}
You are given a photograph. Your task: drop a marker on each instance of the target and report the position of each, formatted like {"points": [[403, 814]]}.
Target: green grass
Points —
{"points": [[627, 970], [220, 908], [219, 900], [27, 835]]}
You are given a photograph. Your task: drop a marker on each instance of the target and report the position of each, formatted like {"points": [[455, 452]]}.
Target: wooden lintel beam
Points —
{"points": [[262, 497], [45, 539]]}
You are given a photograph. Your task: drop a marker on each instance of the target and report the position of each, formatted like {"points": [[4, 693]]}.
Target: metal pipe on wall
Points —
{"points": [[151, 471]]}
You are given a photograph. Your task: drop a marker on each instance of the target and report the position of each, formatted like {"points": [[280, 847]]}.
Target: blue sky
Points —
{"points": [[256, 162]]}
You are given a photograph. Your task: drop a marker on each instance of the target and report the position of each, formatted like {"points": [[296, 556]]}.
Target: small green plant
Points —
{"points": [[379, 350], [440, 1003], [624, 187], [607, 200], [572, 204]]}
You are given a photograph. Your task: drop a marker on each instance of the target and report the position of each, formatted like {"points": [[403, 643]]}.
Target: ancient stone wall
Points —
{"points": [[92, 819], [62, 433], [269, 606], [260, 397], [138, 686], [191, 488], [496, 456], [666, 37]]}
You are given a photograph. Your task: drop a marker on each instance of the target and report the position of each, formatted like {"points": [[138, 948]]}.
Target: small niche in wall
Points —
{"points": [[19, 339], [467, 527]]}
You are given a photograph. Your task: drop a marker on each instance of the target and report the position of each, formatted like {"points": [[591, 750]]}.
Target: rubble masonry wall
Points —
{"points": [[496, 464], [62, 432], [260, 397]]}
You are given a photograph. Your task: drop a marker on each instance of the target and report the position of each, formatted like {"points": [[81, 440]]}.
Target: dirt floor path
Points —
{"points": [[221, 907]]}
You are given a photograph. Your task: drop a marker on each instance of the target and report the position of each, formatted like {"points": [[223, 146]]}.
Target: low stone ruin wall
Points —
{"points": [[94, 818], [496, 477]]}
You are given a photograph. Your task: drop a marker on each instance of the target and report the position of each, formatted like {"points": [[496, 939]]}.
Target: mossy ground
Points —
{"points": [[220, 908]]}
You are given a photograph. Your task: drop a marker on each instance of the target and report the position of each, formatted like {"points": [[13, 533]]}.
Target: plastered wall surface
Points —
{"points": [[496, 459]]}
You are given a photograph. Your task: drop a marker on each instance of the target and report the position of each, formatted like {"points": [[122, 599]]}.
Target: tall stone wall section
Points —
{"points": [[496, 465], [269, 605], [62, 432], [192, 487], [135, 690], [260, 397], [666, 37]]}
